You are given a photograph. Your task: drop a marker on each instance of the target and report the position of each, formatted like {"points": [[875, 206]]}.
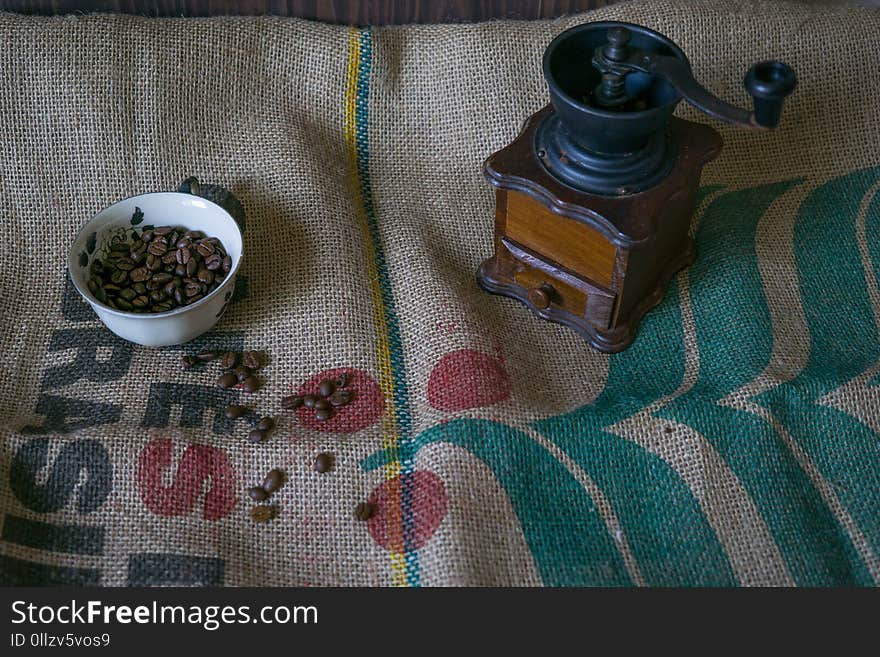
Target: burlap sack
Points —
{"points": [[735, 443]]}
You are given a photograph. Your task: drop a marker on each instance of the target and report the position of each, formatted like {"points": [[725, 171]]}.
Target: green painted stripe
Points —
{"points": [[403, 416], [843, 345], [669, 535], [735, 340]]}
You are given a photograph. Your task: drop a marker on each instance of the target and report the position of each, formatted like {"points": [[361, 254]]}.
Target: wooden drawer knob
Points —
{"points": [[540, 296]]}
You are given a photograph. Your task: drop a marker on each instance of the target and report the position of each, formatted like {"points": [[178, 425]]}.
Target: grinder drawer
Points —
{"points": [[550, 286]]}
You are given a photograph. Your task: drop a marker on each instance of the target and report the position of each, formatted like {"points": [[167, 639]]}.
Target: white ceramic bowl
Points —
{"points": [[160, 209]]}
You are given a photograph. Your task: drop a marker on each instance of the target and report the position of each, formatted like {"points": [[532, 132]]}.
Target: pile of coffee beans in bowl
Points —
{"points": [[161, 269]]}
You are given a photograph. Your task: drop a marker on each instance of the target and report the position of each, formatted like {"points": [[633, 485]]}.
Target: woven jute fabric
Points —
{"points": [[737, 442]]}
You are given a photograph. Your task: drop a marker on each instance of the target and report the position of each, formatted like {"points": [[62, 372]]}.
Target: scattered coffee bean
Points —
{"points": [[227, 380], [266, 424], [251, 359], [241, 372], [234, 411], [309, 401], [188, 361], [230, 358], [150, 268], [364, 511], [324, 414], [342, 380], [256, 436], [321, 405], [273, 480], [263, 513], [326, 388], [340, 397], [250, 384], [257, 494], [291, 402], [323, 462]]}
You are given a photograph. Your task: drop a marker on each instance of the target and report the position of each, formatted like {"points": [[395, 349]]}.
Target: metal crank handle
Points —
{"points": [[768, 83]]}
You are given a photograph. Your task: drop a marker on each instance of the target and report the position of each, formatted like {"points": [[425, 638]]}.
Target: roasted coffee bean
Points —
{"points": [[227, 380], [162, 278], [323, 462], [364, 511], [119, 246], [343, 379], [194, 299], [162, 230], [179, 297], [207, 355], [194, 234], [170, 286], [188, 361], [192, 290], [219, 275], [157, 296], [309, 401], [97, 267], [147, 235], [266, 424], [119, 276], [251, 359], [250, 384], [112, 289], [153, 263], [93, 285], [321, 404], [234, 411], [291, 402], [163, 307], [128, 294], [241, 372], [183, 243], [256, 436], [205, 248], [139, 257], [122, 304], [170, 259], [172, 237], [324, 414], [263, 513], [182, 256], [257, 494], [158, 247], [192, 267], [137, 245], [140, 302], [340, 398], [205, 276], [273, 481], [229, 360], [326, 387], [125, 264], [139, 274], [213, 262], [152, 284], [140, 288], [101, 296], [227, 264], [180, 270]]}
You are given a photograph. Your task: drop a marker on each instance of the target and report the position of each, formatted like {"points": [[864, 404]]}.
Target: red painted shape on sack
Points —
{"points": [[366, 406], [466, 379], [420, 497], [197, 464]]}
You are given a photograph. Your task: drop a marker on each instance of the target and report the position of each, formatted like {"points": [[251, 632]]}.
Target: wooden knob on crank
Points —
{"points": [[540, 296]]}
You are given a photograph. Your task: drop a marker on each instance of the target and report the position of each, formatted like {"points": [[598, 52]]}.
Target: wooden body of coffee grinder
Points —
{"points": [[595, 196]]}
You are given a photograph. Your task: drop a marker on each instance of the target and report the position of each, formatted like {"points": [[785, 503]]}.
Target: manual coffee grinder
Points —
{"points": [[594, 197]]}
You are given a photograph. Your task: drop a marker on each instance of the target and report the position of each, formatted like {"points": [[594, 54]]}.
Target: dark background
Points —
{"points": [[357, 12]]}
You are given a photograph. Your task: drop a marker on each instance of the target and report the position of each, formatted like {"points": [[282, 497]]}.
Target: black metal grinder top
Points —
{"points": [[614, 87]]}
